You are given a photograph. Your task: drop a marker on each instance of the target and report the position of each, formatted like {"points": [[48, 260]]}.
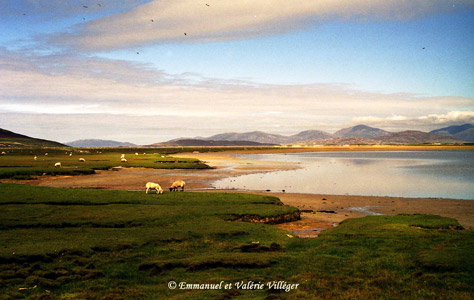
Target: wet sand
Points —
{"points": [[318, 211]]}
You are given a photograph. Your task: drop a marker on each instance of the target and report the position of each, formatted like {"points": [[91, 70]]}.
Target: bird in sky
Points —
{"points": [[84, 6]]}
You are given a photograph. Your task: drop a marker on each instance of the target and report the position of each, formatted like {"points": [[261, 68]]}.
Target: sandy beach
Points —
{"points": [[318, 211]]}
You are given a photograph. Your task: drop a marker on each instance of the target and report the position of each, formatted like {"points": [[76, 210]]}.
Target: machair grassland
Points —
{"points": [[60, 243]]}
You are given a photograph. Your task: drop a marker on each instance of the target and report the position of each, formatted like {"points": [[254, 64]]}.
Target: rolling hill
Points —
{"points": [[267, 138], [207, 143], [464, 132], [9, 139], [99, 143], [416, 137], [360, 131]]}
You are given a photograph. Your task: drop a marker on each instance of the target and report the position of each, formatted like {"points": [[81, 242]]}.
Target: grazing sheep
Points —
{"points": [[70, 154], [136, 153], [57, 165], [123, 159], [176, 185], [3, 153], [35, 158], [123, 156], [82, 160], [156, 186]]}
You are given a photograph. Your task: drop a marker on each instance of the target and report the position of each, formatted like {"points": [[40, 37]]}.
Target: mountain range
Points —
{"points": [[360, 134]]}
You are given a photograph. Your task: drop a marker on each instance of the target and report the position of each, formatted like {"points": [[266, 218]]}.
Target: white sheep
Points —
{"points": [[35, 158], [136, 153], [70, 154], [3, 153], [123, 156], [57, 165], [156, 186], [123, 159], [176, 185], [82, 160]]}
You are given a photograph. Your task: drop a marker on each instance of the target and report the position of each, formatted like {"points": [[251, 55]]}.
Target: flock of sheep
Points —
{"points": [[149, 186], [174, 187]]}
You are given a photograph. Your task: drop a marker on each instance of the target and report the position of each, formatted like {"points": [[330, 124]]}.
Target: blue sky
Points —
{"points": [[107, 71]]}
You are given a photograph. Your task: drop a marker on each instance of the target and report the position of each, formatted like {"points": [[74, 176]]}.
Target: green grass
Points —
{"points": [[99, 244], [20, 163]]}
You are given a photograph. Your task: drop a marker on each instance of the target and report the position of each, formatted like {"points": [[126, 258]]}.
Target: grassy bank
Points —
{"points": [[98, 244], [20, 163]]}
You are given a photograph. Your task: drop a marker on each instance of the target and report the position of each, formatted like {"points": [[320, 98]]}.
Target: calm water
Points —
{"points": [[445, 174]]}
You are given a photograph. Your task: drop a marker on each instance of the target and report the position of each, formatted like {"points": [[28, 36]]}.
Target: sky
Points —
{"points": [[146, 71]]}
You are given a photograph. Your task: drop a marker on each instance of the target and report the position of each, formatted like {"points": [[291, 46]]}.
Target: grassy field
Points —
{"points": [[99, 244], [20, 163]]}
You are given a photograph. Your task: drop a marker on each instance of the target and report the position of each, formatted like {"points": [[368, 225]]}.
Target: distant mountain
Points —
{"points": [[12, 139], [466, 135], [99, 143], [254, 136], [452, 130], [360, 131], [309, 135], [360, 134], [266, 138], [416, 137], [207, 143], [464, 132]]}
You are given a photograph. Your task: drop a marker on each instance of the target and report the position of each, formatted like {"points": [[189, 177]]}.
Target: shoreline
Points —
{"points": [[319, 211]]}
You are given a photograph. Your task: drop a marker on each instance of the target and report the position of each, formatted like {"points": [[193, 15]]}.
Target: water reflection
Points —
{"points": [[408, 174]]}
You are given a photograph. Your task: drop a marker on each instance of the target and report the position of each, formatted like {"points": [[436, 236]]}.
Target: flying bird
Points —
{"points": [[207, 4], [84, 6], [423, 48], [99, 5], [185, 33], [138, 52], [152, 20]]}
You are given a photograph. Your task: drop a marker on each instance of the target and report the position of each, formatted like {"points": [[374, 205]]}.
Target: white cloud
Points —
{"points": [[234, 20], [425, 122], [134, 96]]}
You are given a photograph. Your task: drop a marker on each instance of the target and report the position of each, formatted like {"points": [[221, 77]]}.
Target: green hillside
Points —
{"points": [[10, 139]]}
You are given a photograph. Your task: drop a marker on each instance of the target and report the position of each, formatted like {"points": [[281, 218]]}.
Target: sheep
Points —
{"points": [[123, 159], [3, 153], [176, 185], [57, 165], [123, 156], [82, 160], [152, 185], [70, 154], [136, 153], [35, 158]]}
